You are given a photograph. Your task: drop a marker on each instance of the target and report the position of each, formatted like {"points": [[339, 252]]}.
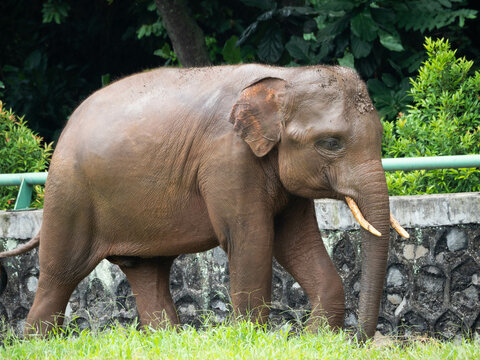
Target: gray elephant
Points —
{"points": [[176, 161]]}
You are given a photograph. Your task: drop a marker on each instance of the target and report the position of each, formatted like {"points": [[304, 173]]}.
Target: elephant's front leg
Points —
{"points": [[250, 252], [300, 250]]}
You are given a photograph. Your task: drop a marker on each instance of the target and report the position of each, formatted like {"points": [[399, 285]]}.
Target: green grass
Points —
{"points": [[239, 341]]}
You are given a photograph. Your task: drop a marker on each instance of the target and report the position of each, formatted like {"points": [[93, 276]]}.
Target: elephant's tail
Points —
{"points": [[33, 243], [3, 279]]}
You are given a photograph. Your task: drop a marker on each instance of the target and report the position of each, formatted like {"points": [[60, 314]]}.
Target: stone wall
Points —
{"points": [[432, 284]]}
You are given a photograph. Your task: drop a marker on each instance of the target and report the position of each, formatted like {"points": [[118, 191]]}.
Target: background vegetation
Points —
{"points": [[56, 52], [444, 119], [21, 150]]}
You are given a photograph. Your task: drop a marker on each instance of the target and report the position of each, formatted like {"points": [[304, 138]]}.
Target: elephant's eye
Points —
{"points": [[330, 144]]}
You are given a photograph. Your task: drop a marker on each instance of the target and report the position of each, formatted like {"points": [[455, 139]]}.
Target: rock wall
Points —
{"points": [[432, 285]]}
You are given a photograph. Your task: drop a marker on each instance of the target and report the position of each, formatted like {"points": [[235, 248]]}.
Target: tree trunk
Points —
{"points": [[187, 37]]}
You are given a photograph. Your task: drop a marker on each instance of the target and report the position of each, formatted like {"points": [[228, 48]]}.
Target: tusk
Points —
{"points": [[398, 228], [359, 217]]}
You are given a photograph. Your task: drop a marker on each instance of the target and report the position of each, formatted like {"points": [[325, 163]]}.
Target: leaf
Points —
{"points": [[366, 66], [271, 47], [338, 5], [266, 16], [383, 16], [33, 60], [151, 7], [105, 79], [55, 11], [389, 80], [260, 4], [347, 60], [341, 42], [413, 62], [288, 11], [230, 52], [141, 32], [333, 29], [163, 52], [10, 68], [360, 48], [309, 37], [250, 30], [445, 3], [298, 48], [395, 66], [391, 42], [376, 87], [364, 27], [325, 49]]}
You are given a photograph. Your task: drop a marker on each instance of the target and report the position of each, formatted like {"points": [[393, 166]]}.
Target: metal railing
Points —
{"points": [[431, 162], [26, 181]]}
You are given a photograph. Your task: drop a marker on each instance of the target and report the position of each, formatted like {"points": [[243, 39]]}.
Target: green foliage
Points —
{"points": [[21, 150], [56, 52], [155, 29], [390, 95], [231, 53], [379, 38], [35, 86], [55, 11], [443, 120], [165, 52], [105, 78]]}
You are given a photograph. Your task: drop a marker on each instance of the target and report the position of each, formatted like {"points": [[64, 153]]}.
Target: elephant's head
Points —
{"points": [[328, 137]]}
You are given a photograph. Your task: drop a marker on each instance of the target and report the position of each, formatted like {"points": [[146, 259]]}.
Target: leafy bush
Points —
{"points": [[379, 38], [443, 120], [21, 150]]}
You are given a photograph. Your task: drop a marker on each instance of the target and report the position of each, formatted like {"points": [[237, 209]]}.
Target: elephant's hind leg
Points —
{"points": [[68, 252], [52, 295], [149, 280]]}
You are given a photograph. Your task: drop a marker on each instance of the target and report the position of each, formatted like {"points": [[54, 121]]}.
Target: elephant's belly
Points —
{"points": [[159, 231]]}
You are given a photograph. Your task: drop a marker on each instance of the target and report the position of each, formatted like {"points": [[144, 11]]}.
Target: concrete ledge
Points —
{"points": [[411, 212], [437, 210], [20, 224]]}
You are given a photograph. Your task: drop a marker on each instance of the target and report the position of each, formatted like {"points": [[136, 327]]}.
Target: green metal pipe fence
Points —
{"points": [[26, 181], [432, 162]]}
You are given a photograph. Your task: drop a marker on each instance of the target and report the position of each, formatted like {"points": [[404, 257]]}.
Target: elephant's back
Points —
{"points": [[169, 114], [156, 104]]}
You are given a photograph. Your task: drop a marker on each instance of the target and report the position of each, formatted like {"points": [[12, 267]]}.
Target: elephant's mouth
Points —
{"points": [[357, 214]]}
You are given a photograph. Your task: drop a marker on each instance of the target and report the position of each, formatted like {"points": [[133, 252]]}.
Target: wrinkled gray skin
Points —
{"points": [[176, 161]]}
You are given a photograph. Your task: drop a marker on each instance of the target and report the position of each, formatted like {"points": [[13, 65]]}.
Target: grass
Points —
{"points": [[241, 340]]}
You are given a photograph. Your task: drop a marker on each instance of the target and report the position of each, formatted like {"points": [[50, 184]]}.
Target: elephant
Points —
{"points": [[173, 161]]}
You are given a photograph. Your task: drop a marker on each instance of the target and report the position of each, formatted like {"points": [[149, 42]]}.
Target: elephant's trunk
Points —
{"points": [[374, 204]]}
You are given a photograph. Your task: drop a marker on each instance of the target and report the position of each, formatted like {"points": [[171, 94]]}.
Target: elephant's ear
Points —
{"points": [[257, 116]]}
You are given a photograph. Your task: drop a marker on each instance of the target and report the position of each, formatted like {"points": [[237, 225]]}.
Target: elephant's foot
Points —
{"points": [[247, 310], [161, 319], [43, 328], [320, 319], [46, 313]]}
